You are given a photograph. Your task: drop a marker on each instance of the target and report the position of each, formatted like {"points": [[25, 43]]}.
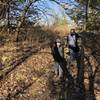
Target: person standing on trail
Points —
{"points": [[58, 55], [72, 44]]}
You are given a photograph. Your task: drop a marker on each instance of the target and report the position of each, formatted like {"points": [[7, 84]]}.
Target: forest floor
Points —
{"points": [[26, 73]]}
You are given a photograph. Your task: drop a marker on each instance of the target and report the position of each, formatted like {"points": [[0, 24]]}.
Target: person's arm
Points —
{"points": [[62, 51], [67, 40], [78, 40], [77, 35]]}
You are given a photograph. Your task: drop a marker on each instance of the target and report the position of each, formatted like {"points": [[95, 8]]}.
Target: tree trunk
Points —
{"points": [[86, 14], [19, 26], [80, 74], [91, 87], [8, 16], [22, 19]]}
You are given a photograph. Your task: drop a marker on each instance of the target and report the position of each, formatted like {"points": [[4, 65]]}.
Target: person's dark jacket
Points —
{"points": [[56, 55]]}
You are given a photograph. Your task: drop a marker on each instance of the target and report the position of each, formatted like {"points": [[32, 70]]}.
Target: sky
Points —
{"points": [[57, 10], [53, 9], [60, 11]]}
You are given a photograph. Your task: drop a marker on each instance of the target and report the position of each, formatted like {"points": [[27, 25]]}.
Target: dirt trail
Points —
{"points": [[33, 79], [29, 80]]}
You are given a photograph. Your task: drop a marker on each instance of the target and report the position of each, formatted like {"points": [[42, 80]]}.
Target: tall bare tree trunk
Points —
{"points": [[86, 14], [22, 19], [8, 16], [80, 74]]}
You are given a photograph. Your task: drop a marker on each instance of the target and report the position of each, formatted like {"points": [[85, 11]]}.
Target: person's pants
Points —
{"points": [[73, 54], [74, 57], [58, 69]]}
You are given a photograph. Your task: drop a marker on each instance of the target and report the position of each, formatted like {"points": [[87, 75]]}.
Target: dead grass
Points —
{"points": [[60, 30]]}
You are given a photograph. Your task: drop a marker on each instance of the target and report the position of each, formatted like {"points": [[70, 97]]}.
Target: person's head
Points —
{"points": [[72, 31], [58, 42]]}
